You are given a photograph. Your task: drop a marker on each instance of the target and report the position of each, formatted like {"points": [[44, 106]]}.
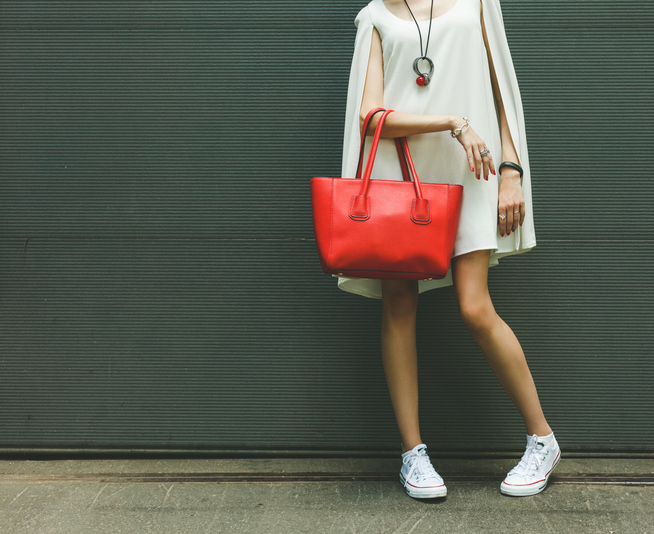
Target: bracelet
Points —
{"points": [[511, 165], [458, 131]]}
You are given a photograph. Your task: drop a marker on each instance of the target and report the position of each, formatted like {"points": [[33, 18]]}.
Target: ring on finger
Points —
{"points": [[483, 153], [502, 216], [517, 211]]}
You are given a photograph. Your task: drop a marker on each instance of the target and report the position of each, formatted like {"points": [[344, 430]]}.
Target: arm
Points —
{"points": [[510, 195], [400, 124]]}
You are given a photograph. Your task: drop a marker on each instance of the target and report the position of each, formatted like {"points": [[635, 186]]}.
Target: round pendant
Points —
{"points": [[423, 77]]}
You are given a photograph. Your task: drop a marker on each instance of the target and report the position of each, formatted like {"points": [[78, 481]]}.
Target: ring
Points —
{"points": [[517, 211], [484, 152], [502, 217]]}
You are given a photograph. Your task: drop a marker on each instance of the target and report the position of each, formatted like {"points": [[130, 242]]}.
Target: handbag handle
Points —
{"points": [[360, 205], [398, 146], [364, 133]]}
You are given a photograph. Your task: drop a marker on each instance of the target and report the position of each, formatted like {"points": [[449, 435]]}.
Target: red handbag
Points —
{"points": [[385, 229]]}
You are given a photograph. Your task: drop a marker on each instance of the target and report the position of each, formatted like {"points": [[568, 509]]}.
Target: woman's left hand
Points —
{"points": [[511, 202]]}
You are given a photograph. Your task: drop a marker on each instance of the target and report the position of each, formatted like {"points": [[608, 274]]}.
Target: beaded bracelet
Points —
{"points": [[458, 131]]}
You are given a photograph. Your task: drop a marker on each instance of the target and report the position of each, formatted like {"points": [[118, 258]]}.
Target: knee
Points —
{"points": [[477, 315], [400, 303]]}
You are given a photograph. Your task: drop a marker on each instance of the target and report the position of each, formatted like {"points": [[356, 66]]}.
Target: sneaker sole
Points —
{"points": [[425, 493], [522, 491]]}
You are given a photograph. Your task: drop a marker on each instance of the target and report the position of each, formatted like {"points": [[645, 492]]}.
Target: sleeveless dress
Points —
{"points": [[461, 85]]}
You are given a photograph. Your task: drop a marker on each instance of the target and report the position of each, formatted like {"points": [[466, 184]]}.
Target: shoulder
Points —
{"points": [[364, 16], [492, 6]]}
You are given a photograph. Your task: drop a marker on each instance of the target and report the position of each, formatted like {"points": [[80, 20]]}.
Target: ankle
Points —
{"points": [[540, 431], [411, 445]]}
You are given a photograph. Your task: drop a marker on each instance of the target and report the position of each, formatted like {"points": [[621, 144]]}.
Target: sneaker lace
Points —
{"points": [[531, 459], [420, 464]]}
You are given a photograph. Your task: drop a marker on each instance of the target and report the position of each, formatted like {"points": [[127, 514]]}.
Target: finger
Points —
{"points": [[478, 163], [509, 219], [516, 217], [471, 159], [502, 222], [486, 160], [523, 213], [492, 165]]}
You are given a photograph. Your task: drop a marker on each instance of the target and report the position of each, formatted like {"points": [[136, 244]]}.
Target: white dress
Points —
{"points": [[461, 85]]}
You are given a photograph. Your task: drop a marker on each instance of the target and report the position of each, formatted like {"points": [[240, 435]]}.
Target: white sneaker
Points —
{"points": [[530, 476], [419, 477]]}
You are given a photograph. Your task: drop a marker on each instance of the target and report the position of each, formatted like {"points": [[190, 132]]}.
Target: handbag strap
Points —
{"points": [[403, 152], [364, 133], [402, 146], [400, 154]]}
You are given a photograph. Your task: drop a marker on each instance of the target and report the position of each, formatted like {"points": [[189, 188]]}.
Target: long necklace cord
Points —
{"points": [[431, 14], [424, 78]]}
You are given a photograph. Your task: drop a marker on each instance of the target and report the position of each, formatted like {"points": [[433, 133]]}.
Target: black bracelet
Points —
{"points": [[512, 166]]}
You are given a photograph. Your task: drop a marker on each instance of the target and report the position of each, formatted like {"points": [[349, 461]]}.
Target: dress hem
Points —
{"points": [[371, 287]]}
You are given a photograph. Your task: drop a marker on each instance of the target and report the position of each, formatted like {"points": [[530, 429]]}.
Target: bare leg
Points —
{"points": [[497, 341], [399, 355]]}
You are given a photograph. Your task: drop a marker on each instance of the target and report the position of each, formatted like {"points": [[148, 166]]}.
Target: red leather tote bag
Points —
{"points": [[385, 229]]}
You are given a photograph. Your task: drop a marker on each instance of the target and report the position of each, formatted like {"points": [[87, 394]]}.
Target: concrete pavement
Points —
{"points": [[286, 495]]}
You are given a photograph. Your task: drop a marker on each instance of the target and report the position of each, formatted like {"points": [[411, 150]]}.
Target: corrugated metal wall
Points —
{"points": [[159, 285]]}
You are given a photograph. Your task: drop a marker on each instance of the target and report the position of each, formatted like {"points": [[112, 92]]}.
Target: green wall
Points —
{"points": [[159, 283]]}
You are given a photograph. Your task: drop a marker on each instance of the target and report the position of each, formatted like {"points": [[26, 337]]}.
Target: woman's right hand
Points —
{"points": [[473, 145]]}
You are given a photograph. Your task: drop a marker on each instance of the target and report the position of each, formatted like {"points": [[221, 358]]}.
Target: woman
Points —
{"points": [[444, 66]]}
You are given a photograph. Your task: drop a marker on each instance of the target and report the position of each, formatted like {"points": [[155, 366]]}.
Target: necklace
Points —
{"points": [[423, 78]]}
